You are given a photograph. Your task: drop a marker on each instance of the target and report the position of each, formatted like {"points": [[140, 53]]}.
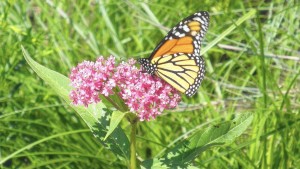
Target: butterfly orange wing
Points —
{"points": [[185, 37]]}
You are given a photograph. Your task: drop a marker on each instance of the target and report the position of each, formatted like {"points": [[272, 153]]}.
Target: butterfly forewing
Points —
{"points": [[185, 37]]}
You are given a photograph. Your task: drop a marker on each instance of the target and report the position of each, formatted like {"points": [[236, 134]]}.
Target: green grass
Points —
{"points": [[254, 68]]}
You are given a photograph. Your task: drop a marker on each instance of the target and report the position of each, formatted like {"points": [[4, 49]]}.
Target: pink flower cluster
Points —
{"points": [[144, 94], [91, 79]]}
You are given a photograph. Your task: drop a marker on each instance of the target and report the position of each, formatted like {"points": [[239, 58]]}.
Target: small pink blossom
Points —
{"points": [[145, 95]]}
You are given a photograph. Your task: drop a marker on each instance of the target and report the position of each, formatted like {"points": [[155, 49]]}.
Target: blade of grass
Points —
{"points": [[247, 16], [38, 142], [112, 30]]}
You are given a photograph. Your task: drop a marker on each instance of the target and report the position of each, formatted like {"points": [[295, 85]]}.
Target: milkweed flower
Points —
{"points": [[145, 95], [90, 79]]}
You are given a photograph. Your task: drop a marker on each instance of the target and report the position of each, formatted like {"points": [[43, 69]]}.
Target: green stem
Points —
{"points": [[133, 145], [113, 103]]}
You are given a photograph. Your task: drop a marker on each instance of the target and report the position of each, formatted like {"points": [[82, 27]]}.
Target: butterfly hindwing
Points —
{"points": [[177, 58], [183, 72]]}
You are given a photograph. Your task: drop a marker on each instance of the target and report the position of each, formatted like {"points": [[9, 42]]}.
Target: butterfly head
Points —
{"points": [[147, 66]]}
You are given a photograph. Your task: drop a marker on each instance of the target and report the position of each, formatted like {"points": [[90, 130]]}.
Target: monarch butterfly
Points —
{"points": [[176, 59]]}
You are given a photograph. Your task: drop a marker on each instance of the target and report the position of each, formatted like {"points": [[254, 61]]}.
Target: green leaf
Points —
{"points": [[115, 119], [95, 116], [187, 150]]}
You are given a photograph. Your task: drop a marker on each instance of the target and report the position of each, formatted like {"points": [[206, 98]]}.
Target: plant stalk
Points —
{"points": [[133, 145]]}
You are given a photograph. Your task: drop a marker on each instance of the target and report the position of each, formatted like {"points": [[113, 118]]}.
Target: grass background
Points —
{"points": [[253, 69]]}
